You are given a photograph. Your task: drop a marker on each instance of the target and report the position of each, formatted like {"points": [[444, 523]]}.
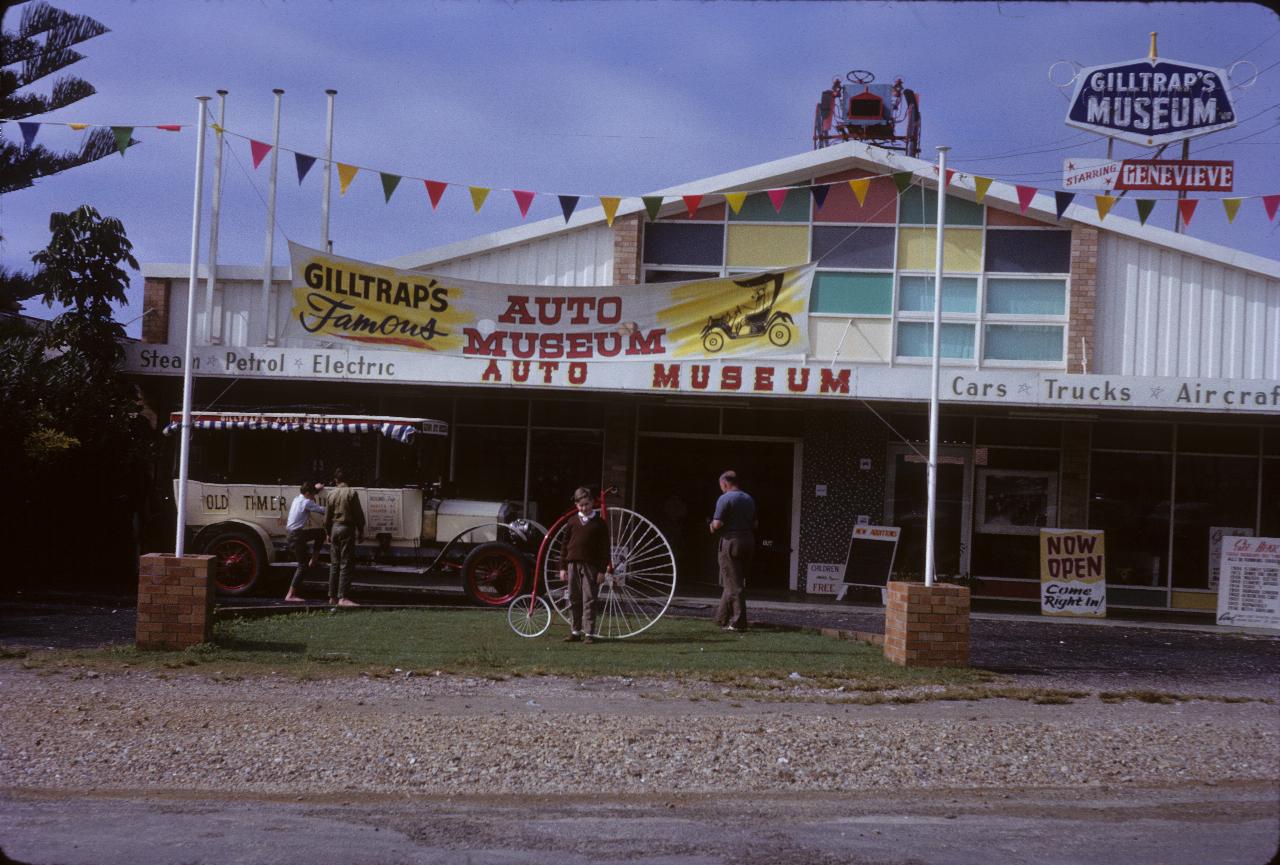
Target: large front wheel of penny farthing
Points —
{"points": [[529, 616], [641, 586]]}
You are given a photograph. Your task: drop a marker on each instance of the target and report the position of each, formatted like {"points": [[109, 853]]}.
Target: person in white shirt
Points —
{"points": [[305, 542]]}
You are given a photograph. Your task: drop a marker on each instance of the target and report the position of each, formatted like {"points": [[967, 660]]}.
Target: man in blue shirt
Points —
{"points": [[734, 522]]}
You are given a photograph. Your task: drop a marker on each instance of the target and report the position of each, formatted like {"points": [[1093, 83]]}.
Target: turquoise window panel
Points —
{"points": [[758, 208], [1026, 296], [1041, 342], [959, 294], [919, 206], [852, 293], [915, 339]]}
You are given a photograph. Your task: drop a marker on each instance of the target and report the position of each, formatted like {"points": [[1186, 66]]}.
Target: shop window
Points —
{"points": [[684, 243], [869, 247], [578, 414], [487, 410], [488, 463], [1014, 251], [1016, 502], [1030, 342], [919, 206], [852, 293], [1270, 525], [1130, 502], [1010, 556], [1015, 431], [1018, 458], [1211, 491], [1217, 439], [561, 461], [1123, 435], [915, 339], [959, 294], [1026, 296], [679, 418], [667, 275], [762, 422], [759, 208], [1271, 440]]}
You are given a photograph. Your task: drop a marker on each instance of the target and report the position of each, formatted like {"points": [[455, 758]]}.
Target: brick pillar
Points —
{"points": [[155, 305], [1073, 494], [1084, 299], [627, 234], [175, 601], [927, 626]]}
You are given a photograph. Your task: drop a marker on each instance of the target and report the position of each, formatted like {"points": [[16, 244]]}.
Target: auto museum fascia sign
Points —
{"points": [[1151, 101], [750, 377]]}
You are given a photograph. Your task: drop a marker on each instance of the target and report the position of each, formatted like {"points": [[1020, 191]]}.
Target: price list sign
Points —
{"points": [[1249, 586]]}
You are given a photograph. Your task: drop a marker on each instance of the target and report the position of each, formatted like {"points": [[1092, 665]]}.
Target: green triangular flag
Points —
{"points": [[389, 183], [652, 204], [902, 180], [122, 134], [1145, 206]]}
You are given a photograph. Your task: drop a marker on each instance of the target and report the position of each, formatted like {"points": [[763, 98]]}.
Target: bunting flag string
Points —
{"points": [[1231, 205], [259, 151], [1104, 203], [778, 197], [1186, 207], [1025, 195], [1062, 200], [389, 183], [523, 198], [691, 203], [1145, 206], [435, 189], [567, 205], [346, 174], [304, 163], [610, 203], [478, 195], [735, 200]]}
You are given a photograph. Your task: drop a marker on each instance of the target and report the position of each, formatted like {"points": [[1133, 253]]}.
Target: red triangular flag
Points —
{"points": [[1271, 202], [170, 127], [260, 150], [1025, 194], [1186, 207], [523, 199], [950, 174], [691, 203], [777, 196], [435, 189]]}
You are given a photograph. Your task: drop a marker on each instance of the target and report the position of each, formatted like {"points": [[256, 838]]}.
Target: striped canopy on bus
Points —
{"points": [[401, 429]]}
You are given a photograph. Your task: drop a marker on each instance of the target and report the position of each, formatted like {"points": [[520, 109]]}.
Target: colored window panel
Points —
{"points": [[758, 208], [961, 249], [915, 339], [1023, 342], [880, 204], [706, 213], [683, 243], [852, 293], [919, 206], [1012, 251], [852, 339], [996, 216], [959, 294], [767, 245], [854, 246], [1026, 296]]}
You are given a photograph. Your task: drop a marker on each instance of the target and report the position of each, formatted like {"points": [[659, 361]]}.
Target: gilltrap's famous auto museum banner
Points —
{"points": [[745, 315]]}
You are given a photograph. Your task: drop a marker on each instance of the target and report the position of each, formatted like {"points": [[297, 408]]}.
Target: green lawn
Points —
{"points": [[478, 642]]}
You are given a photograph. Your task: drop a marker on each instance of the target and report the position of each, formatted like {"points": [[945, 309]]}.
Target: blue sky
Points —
{"points": [[594, 98]]}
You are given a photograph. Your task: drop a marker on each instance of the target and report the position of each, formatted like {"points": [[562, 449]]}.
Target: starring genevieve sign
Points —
{"points": [[747, 315]]}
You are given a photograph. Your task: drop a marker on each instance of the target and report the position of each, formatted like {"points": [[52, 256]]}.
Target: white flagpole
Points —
{"points": [[184, 451], [268, 302], [212, 332], [325, 243], [936, 374]]}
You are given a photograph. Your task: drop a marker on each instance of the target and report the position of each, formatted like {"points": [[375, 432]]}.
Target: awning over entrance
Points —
{"points": [[401, 429]]}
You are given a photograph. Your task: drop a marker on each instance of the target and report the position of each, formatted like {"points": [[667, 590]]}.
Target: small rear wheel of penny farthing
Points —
{"points": [[641, 586], [529, 616]]}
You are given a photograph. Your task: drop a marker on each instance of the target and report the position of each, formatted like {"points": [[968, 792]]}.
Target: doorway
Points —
{"points": [[676, 487], [907, 503]]}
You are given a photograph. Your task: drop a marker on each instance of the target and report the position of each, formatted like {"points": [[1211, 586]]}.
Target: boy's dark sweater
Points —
{"points": [[587, 542]]}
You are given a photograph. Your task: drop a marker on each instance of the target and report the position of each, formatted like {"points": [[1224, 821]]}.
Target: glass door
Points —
{"points": [[907, 499]]}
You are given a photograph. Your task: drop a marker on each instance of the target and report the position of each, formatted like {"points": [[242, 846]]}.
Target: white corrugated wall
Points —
{"points": [[1165, 313], [583, 257]]}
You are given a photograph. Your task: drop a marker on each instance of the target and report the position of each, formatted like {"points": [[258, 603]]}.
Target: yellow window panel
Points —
{"points": [[767, 245], [961, 249], [1194, 601]]}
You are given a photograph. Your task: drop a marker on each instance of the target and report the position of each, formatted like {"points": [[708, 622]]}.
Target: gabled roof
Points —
{"points": [[831, 160]]}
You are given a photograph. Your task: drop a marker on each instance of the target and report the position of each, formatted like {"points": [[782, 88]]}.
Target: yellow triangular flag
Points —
{"points": [[346, 174], [478, 195], [1104, 204], [78, 126], [610, 205], [216, 128], [860, 187], [735, 200], [980, 187], [1231, 205]]}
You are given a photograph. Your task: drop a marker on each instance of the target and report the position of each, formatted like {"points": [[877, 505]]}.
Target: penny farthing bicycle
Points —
{"points": [[632, 598]]}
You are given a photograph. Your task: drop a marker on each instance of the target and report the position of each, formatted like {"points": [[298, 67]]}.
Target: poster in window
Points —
{"points": [[1249, 589], [1016, 502]]}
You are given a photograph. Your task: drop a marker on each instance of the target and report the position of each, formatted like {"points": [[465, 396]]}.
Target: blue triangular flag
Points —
{"points": [[1063, 201], [819, 195], [567, 205], [29, 131], [304, 164]]}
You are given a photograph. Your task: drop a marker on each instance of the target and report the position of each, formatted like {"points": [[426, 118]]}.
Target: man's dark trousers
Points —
{"points": [[736, 552]]}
